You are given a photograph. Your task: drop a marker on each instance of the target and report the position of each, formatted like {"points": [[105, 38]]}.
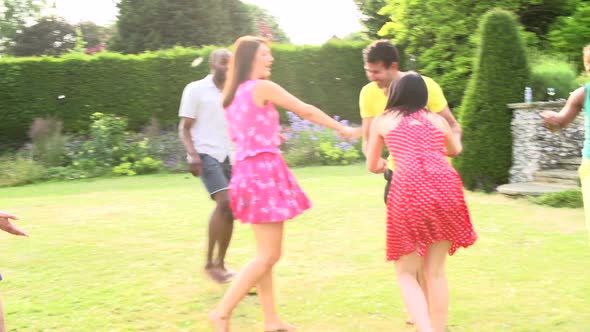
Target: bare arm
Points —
{"points": [[270, 91], [555, 121], [184, 132], [366, 133], [453, 146], [453, 123], [375, 163]]}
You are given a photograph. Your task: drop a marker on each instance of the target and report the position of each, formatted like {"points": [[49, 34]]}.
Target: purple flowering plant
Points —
{"points": [[311, 144]]}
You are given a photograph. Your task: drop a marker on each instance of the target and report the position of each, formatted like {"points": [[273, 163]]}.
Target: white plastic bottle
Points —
{"points": [[528, 95]]}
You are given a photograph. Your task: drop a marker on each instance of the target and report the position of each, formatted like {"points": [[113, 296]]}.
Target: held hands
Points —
{"points": [[550, 120], [195, 165], [384, 166], [283, 135], [283, 138], [9, 227], [349, 133]]}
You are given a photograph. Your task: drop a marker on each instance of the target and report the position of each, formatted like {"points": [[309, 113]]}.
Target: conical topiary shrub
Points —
{"points": [[499, 77]]}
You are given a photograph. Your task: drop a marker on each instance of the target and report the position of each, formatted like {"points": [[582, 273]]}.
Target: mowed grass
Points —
{"points": [[126, 254]]}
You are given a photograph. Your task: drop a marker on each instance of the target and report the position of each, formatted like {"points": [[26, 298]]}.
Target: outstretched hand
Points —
{"points": [[8, 226], [350, 134]]}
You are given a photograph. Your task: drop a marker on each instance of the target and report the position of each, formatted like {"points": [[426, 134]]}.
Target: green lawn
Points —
{"points": [[126, 254]]}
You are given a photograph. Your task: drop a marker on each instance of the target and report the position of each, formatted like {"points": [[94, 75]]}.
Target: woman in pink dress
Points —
{"points": [[263, 191], [426, 212]]}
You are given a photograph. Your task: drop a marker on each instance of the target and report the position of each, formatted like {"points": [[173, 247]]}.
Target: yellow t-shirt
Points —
{"points": [[372, 101]]}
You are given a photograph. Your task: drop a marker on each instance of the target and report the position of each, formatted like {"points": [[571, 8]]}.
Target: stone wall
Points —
{"points": [[534, 147]]}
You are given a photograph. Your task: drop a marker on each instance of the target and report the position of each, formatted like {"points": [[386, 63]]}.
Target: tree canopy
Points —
{"points": [[158, 24]]}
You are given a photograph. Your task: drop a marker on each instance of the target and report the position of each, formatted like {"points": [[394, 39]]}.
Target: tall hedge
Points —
{"points": [[500, 74], [148, 85]]}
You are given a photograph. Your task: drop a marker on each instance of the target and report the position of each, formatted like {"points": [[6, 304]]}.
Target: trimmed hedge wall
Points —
{"points": [[148, 85]]}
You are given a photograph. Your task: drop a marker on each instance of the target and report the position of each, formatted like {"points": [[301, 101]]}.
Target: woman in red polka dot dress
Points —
{"points": [[426, 212]]}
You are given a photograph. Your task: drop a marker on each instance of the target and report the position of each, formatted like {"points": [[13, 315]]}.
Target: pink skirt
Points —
{"points": [[263, 189]]}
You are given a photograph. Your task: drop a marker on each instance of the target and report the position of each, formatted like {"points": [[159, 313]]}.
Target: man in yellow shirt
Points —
{"points": [[381, 60]]}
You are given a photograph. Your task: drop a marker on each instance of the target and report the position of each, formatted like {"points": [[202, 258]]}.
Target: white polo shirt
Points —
{"points": [[201, 100]]}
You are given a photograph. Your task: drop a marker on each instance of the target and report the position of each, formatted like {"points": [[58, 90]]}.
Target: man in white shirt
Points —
{"points": [[203, 132]]}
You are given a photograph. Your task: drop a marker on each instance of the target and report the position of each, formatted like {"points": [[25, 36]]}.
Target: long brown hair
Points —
{"points": [[240, 65]]}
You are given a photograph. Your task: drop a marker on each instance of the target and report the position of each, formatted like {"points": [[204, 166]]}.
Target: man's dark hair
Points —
{"points": [[381, 51]]}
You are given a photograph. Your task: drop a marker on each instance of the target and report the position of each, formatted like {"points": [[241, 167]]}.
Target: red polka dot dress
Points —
{"points": [[426, 202]]}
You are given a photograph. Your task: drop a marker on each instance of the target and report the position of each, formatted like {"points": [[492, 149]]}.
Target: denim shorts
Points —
{"points": [[215, 175]]}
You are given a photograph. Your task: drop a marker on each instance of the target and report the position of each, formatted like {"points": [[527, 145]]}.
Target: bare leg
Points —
{"points": [[225, 220], [272, 321], [220, 323], [212, 233], [436, 279], [421, 278], [420, 274], [269, 239], [407, 268], [220, 232], [2, 325]]}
